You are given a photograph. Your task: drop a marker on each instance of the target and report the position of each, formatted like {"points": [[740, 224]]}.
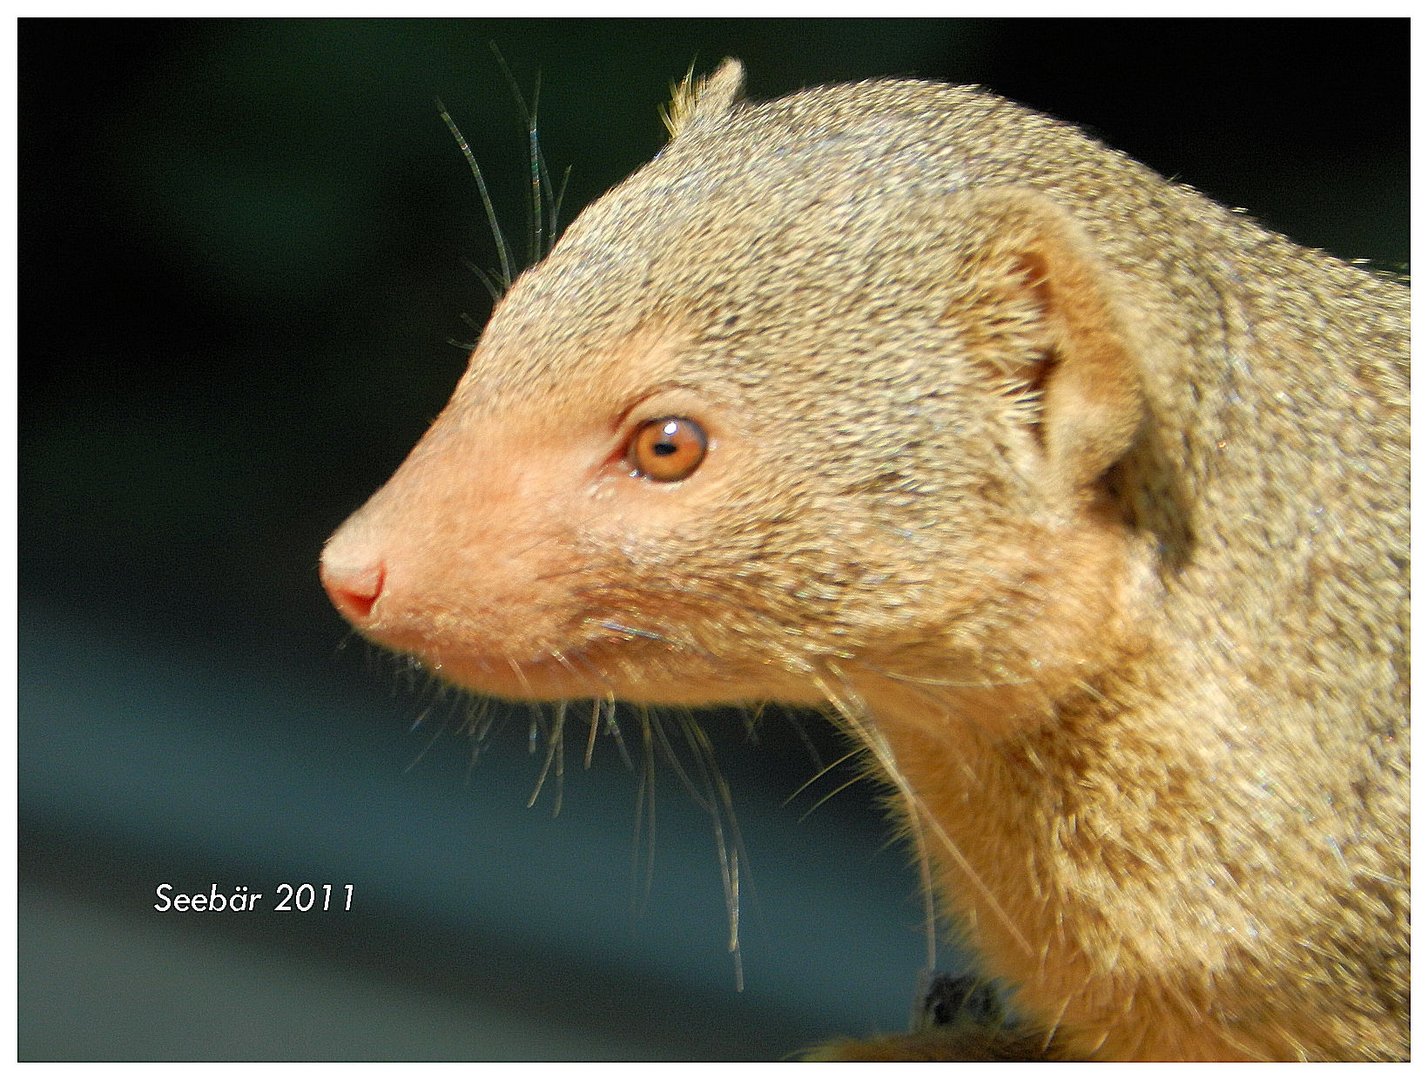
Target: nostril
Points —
{"points": [[354, 589]]}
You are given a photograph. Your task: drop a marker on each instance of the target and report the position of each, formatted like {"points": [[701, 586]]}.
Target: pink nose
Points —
{"points": [[353, 586]]}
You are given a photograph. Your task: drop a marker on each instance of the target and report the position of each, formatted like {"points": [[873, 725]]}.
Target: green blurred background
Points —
{"points": [[241, 277]]}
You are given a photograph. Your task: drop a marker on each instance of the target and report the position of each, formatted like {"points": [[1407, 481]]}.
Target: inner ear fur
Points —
{"points": [[1043, 311]]}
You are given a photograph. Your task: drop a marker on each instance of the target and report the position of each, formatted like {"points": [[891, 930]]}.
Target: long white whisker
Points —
{"points": [[821, 773], [721, 805], [856, 719]]}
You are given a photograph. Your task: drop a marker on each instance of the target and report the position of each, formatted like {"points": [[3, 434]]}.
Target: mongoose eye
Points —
{"points": [[667, 449]]}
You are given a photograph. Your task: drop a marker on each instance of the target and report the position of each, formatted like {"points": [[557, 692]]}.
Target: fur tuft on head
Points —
{"points": [[710, 98]]}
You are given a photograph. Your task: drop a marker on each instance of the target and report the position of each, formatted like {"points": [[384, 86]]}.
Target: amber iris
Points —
{"points": [[668, 449]]}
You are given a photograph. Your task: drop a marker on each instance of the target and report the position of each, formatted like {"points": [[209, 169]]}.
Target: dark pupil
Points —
{"points": [[664, 449]]}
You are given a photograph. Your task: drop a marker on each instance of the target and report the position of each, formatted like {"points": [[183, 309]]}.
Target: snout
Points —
{"points": [[354, 575]]}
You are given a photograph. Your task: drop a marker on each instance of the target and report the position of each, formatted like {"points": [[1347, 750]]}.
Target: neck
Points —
{"points": [[1061, 844], [1052, 800]]}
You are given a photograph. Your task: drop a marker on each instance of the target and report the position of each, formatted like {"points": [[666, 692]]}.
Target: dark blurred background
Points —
{"points": [[241, 274]]}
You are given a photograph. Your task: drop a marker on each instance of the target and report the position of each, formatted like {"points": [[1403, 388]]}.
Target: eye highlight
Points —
{"points": [[668, 449]]}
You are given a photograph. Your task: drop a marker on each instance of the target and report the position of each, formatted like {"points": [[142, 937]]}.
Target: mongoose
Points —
{"points": [[1079, 499]]}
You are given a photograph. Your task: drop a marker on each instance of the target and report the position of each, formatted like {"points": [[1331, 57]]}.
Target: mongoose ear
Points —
{"points": [[711, 98], [1044, 310]]}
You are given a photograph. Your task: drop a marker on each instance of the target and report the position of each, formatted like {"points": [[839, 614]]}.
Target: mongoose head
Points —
{"points": [[790, 411]]}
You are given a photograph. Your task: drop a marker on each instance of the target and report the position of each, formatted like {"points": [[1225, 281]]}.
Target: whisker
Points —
{"points": [[568, 663], [885, 758], [802, 733], [429, 743], [503, 250], [920, 814], [645, 799], [836, 791], [479, 718], [595, 707], [635, 632], [821, 773], [612, 726], [421, 717], [520, 675], [952, 684], [555, 753], [721, 805], [673, 758]]}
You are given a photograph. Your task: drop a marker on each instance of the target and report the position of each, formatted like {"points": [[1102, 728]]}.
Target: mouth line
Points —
{"points": [[549, 676], [576, 676]]}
